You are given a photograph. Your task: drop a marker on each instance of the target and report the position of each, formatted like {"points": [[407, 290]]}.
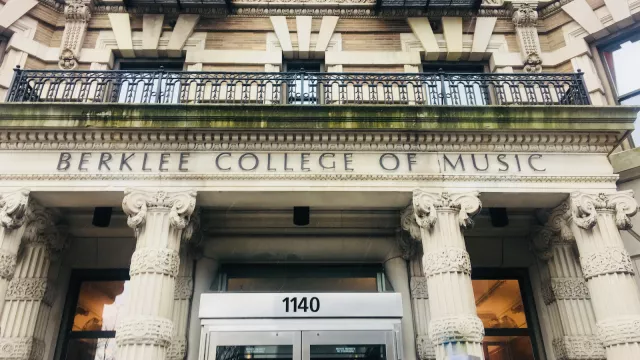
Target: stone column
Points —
{"points": [[13, 208], [565, 293], [184, 289], [454, 328], [607, 268], [30, 293], [158, 218]]}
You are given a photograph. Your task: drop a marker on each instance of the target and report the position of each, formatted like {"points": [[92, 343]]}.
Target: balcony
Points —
{"points": [[297, 88]]}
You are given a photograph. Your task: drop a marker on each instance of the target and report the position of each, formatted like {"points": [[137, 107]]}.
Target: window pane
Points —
{"points": [[365, 352], [623, 68], [91, 349], [99, 305], [258, 352], [499, 303], [508, 348]]}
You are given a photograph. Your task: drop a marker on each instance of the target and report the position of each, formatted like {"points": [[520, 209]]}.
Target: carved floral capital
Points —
{"points": [[585, 208], [137, 203], [426, 205], [525, 15], [13, 208]]}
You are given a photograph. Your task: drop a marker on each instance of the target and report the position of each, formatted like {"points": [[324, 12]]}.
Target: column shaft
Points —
{"points": [[454, 328], [420, 304], [595, 221], [146, 330], [181, 306], [13, 208], [398, 276], [29, 294]]}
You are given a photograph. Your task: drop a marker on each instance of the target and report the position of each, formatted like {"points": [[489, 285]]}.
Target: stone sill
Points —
{"points": [[617, 119]]}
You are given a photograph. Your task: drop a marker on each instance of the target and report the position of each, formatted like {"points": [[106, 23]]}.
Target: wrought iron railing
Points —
{"points": [[298, 88]]}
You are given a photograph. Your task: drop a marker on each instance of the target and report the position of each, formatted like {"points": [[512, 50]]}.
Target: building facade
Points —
{"points": [[319, 179]]}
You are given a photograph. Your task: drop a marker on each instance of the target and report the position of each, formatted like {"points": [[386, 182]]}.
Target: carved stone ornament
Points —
{"points": [[462, 328], [177, 350], [419, 289], [565, 289], [449, 260], [144, 330], [541, 242], [619, 331], [585, 208], [611, 260], [181, 205], [42, 228], [30, 289], [7, 264], [525, 15], [425, 205], [184, 288], [24, 348], [425, 348], [13, 208], [155, 261], [409, 247], [409, 224], [77, 14], [578, 347]]}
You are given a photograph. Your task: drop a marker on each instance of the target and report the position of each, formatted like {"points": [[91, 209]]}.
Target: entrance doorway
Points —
{"points": [[343, 326]]}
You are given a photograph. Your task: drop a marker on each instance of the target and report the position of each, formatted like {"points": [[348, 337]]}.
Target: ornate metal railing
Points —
{"points": [[297, 88]]}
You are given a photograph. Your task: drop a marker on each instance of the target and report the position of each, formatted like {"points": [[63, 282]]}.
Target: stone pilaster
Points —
{"points": [[183, 292], [77, 14], [146, 331], [417, 286], [454, 327], [13, 211], [29, 294], [565, 293], [595, 221], [525, 18]]}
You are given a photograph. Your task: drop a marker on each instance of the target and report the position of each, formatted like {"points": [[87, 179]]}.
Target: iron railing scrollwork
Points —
{"points": [[299, 88]]}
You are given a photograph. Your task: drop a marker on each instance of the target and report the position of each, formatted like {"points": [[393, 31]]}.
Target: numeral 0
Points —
{"points": [[293, 305]]}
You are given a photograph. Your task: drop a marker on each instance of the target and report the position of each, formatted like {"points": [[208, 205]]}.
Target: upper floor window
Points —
{"points": [[96, 301], [454, 84], [303, 87], [148, 81], [621, 59]]}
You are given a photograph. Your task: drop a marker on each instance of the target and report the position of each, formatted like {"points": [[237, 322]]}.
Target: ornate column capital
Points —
{"points": [[42, 227], [13, 208], [524, 15], [585, 208], [426, 205], [180, 205], [409, 224]]}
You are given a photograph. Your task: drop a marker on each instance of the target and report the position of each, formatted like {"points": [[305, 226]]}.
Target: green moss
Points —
{"points": [[187, 117]]}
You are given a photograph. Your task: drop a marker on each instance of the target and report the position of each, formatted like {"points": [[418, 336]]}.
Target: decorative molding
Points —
{"points": [[21, 348], [578, 348], [525, 18], [30, 289], [42, 228], [144, 330], [610, 260], [425, 348], [461, 328], [7, 264], [177, 350], [565, 289], [426, 204], [180, 204], [419, 289], [449, 260], [77, 14], [585, 208], [619, 331], [37, 140], [409, 247], [13, 208], [155, 261], [183, 289], [409, 224]]}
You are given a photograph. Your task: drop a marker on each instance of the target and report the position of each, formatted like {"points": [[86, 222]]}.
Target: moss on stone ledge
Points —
{"points": [[496, 118]]}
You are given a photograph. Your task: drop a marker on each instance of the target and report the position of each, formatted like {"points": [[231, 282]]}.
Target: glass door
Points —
{"points": [[258, 345], [348, 345]]}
